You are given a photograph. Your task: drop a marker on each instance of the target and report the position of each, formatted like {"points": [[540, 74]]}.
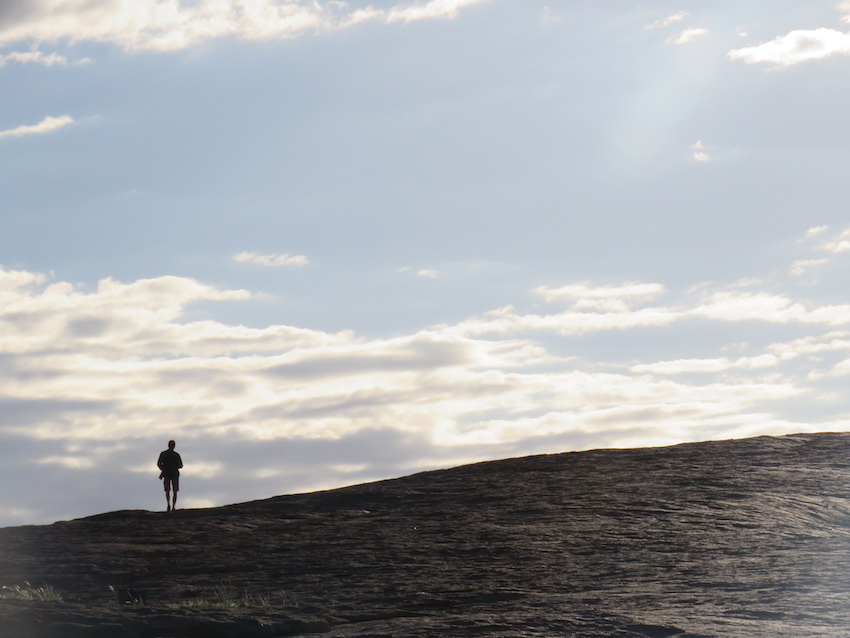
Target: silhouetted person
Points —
{"points": [[170, 463]]}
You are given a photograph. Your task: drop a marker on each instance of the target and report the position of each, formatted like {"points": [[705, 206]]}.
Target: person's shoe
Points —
{"points": [[169, 509]]}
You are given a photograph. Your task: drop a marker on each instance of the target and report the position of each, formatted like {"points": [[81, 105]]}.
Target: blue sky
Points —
{"points": [[319, 243]]}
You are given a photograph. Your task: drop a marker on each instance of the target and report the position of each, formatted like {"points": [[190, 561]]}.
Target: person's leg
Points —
{"points": [[175, 485], [167, 500]]}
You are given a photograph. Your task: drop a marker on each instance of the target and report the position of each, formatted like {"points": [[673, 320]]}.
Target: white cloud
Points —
{"points": [[612, 312], [166, 25], [70, 462], [681, 366], [47, 125], [549, 16], [570, 323], [814, 345], [688, 35], [797, 46], [801, 266], [122, 365], [427, 273], [699, 154], [12, 280], [433, 9], [32, 57], [744, 306], [839, 244], [814, 231], [666, 22], [586, 290], [841, 369], [271, 261]]}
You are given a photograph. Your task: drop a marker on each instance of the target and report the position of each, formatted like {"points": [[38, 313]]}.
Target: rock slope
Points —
{"points": [[724, 539]]}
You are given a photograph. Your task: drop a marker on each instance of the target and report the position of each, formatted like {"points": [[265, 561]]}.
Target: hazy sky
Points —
{"points": [[320, 243]]}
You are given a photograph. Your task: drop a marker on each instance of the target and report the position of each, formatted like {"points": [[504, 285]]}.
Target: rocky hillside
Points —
{"points": [[732, 538]]}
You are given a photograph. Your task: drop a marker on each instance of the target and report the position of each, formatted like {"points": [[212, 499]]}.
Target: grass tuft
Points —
{"points": [[227, 596], [45, 593]]}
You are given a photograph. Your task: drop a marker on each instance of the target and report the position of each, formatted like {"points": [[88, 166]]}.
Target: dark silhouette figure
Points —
{"points": [[170, 463]]}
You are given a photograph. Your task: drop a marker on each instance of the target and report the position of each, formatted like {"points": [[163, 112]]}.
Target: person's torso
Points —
{"points": [[170, 462]]}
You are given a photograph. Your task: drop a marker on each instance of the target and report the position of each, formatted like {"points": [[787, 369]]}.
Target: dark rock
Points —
{"points": [[130, 597], [654, 631], [722, 539]]}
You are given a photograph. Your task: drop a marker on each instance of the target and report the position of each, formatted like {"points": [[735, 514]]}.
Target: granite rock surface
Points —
{"points": [[722, 539]]}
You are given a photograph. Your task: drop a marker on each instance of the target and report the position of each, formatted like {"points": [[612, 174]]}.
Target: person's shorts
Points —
{"points": [[171, 483]]}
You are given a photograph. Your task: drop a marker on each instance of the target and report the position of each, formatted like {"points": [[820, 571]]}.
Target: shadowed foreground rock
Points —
{"points": [[733, 538]]}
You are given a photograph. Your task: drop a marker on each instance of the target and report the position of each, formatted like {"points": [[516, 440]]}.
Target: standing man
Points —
{"points": [[170, 463]]}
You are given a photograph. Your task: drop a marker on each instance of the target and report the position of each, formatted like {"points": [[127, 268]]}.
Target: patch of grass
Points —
{"points": [[45, 593], [227, 596]]}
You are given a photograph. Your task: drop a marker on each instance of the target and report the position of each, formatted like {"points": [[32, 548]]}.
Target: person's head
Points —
{"points": [[171, 445]]}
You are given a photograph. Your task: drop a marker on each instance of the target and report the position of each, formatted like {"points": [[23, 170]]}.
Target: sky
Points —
{"points": [[320, 243]]}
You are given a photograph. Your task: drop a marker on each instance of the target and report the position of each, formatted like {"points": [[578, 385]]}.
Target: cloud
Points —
{"points": [[839, 244], [681, 366], [550, 17], [666, 22], [32, 57], [271, 261], [13, 280], [431, 10], [699, 154], [164, 25], [98, 377], [834, 341], [47, 125], [586, 290], [613, 312], [814, 231], [427, 273], [770, 308], [71, 462], [798, 46], [579, 321], [801, 266], [688, 35], [585, 297]]}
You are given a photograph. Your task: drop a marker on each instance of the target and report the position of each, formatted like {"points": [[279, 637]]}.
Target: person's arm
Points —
{"points": [[179, 462]]}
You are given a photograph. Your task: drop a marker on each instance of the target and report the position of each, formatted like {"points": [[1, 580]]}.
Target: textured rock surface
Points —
{"points": [[733, 538]]}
